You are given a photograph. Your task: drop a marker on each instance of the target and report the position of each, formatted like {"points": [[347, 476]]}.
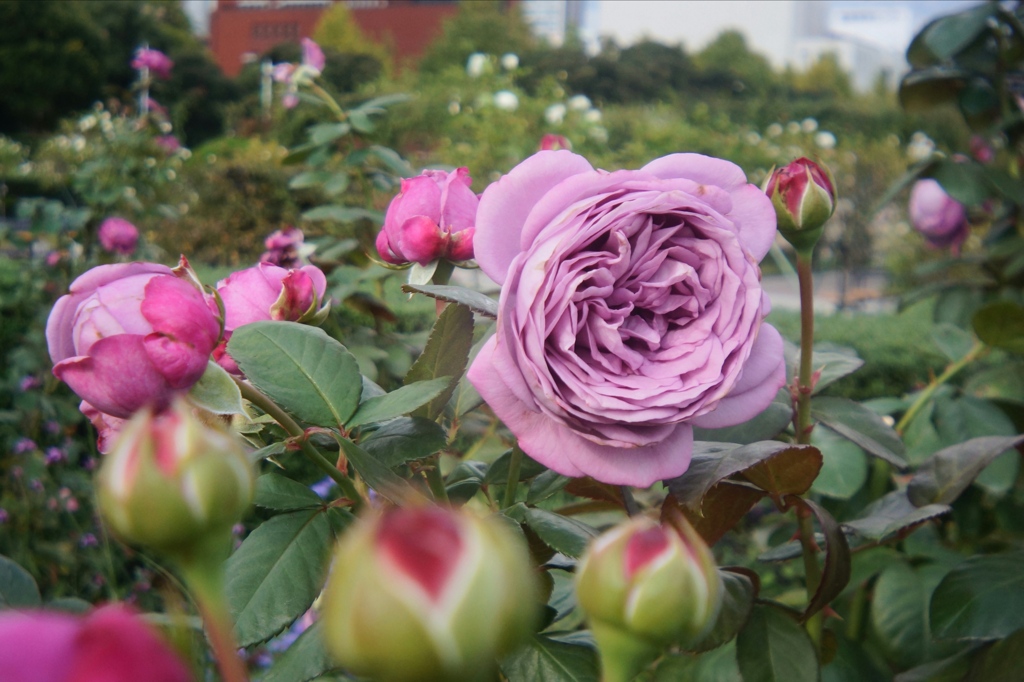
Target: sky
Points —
{"points": [[767, 24]]}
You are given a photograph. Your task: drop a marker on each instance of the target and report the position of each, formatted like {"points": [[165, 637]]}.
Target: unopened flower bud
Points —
{"points": [[172, 481], [804, 196], [941, 219], [427, 594], [643, 586]]}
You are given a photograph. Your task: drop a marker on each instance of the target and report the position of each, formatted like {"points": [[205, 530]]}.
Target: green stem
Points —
{"points": [[204, 574], [435, 480], [812, 570], [515, 461], [262, 401], [331, 103], [926, 395], [858, 610], [804, 388]]}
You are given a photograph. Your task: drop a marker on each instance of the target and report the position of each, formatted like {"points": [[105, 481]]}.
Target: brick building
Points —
{"points": [[241, 30]]}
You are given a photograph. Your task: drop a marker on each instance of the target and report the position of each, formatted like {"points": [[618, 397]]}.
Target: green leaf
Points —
{"points": [[714, 462], [310, 179], [718, 665], [953, 341], [862, 426], [774, 648], [361, 121], [941, 478], [737, 603], [445, 355], [378, 476], [844, 466], [965, 182], [561, 533], [893, 514], [1004, 383], [474, 300], [789, 472], [301, 368], [18, 589], [497, 473], [464, 481], [981, 598], [399, 402], [899, 612], [951, 669], [721, 509], [946, 36], [967, 417], [831, 361], [322, 133], [403, 440], [544, 659], [545, 485], [277, 572], [341, 214], [928, 88], [764, 426], [274, 491], [1001, 325], [216, 391], [305, 659], [1004, 661]]}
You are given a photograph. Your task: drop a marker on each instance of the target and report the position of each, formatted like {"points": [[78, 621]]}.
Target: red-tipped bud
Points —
{"points": [[427, 594], [804, 196]]}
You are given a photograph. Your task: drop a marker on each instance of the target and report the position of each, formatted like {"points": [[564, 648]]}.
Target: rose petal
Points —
{"points": [[36, 647], [458, 202], [505, 204], [764, 373], [177, 310]]}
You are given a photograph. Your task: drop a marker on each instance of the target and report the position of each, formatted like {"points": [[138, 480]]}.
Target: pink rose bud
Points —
{"points": [[169, 143], [981, 150], [110, 644], [154, 60], [423, 222], [643, 586], [117, 235], [554, 142], [941, 219], [268, 292], [312, 55], [129, 335], [171, 481], [804, 196], [427, 593]]}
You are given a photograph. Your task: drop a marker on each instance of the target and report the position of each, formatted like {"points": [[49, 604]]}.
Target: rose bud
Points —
{"points": [[172, 481], [804, 196], [117, 235], [129, 335], [553, 142], [427, 594], [153, 60], [268, 292], [426, 220], [111, 644], [644, 586], [284, 247], [941, 219]]}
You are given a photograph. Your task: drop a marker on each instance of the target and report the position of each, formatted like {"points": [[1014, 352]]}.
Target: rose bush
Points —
{"points": [[129, 335], [631, 310]]}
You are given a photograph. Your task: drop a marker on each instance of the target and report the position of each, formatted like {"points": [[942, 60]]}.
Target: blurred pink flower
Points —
{"points": [[294, 75], [941, 219], [283, 247], [169, 143], [154, 60], [117, 235], [552, 142]]}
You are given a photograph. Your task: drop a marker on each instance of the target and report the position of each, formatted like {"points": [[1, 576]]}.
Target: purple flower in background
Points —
{"points": [[169, 143], [28, 383], [154, 60], [283, 247], [941, 219], [54, 455], [631, 311], [294, 75], [52, 427], [23, 445], [323, 488], [88, 540], [4, 516], [117, 235]]}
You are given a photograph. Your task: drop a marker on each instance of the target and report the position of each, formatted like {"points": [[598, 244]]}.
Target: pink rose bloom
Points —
{"points": [[631, 311], [433, 217], [111, 644], [130, 335], [154, 60], [941, 219], [267, 292], [552, 142], [117, 235], [283, 247], [169, 143]]}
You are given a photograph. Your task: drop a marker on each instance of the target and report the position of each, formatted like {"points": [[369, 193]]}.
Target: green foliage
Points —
{"points": [[490, 27]]}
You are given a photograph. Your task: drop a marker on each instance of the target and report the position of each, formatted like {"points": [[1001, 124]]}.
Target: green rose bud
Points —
{"points": [[428, 594], [172, 482], [804, 196], [644, 586]]}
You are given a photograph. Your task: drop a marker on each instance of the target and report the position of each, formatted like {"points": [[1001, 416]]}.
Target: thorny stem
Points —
{"points": [[515, 461], [260, 400], [812, 570], [435, 480]]}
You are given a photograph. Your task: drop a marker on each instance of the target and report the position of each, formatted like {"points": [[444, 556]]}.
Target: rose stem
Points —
{"points": [[260, 400], [926, 395], [204, 574], [515, 460], [435, 481], [803, 429]]}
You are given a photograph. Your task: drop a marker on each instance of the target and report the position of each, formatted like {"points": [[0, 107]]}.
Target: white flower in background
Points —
{"points": [[752, 138], [774, 130], [825, 140], [506, 100], [921, 147], [454, 107], [555, 113], [87, 123], [579, 103], [598, 134], [510, 62], [592, 116], [476, 64], [809, 125], [792, 127]]}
